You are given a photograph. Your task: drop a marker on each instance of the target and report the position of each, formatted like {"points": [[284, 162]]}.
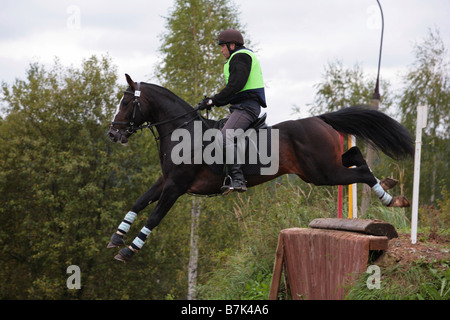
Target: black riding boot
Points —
{"points": [[235, 180]]}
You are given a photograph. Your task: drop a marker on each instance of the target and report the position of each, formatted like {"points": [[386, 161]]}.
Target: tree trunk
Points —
{"points": [[367, 191], [433, 179], [193, 257]]}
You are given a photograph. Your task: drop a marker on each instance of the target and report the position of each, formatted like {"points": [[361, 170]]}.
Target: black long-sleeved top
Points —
{"points": [[240, 67]]}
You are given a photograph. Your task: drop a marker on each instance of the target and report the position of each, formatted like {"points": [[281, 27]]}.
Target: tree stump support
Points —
{"points": [[321, 261]]}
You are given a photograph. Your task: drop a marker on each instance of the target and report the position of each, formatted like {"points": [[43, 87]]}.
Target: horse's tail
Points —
{"points": [[373, 126]]}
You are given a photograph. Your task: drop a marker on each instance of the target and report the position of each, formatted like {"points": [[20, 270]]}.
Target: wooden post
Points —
{"points": [[354, 190], [421, 123], [277, 269], [350, 186], [340, 188]]}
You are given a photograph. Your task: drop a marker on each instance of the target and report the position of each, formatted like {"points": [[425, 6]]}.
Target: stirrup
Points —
{"points": [[227, 188]]}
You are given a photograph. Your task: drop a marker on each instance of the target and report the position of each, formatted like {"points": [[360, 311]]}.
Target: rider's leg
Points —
{"points": [[239, 119]]}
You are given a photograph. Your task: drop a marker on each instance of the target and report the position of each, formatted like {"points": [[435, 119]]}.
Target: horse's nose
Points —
{"points": [[117, 136], [112, 135]]}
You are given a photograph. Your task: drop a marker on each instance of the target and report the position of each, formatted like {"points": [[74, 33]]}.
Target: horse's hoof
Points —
{"points": [[388, 183], [124, 255], [399, 202], [116, 241]]}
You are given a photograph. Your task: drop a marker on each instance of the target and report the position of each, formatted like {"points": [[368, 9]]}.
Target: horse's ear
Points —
{"points": [[130, 81]]}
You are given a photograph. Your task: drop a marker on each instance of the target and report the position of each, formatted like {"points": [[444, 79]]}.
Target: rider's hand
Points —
{"points": [[206, 103]]}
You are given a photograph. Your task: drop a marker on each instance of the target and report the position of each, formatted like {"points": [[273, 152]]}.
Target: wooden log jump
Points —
{"points": [[320, 261], [372, 227]]}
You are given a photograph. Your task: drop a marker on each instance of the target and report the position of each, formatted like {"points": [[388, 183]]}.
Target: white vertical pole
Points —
{"points": [[421, 123], [354, 193]]}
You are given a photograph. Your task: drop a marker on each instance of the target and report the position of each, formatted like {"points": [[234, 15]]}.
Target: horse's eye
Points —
{"points": [[126, 101]]}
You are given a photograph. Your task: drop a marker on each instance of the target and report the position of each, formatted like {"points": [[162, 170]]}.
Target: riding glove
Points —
{"points": [[206, 103]]}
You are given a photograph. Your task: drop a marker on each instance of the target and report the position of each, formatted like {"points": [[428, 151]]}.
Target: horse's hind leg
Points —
{"points": [[148, 197], [353, 157], [362, 174]]}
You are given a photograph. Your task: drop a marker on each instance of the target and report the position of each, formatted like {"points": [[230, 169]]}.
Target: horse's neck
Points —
{"points": [[165, 105], [172, 111]]}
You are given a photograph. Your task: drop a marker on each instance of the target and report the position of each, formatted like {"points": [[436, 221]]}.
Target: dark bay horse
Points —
{"points": [[309, 148]]}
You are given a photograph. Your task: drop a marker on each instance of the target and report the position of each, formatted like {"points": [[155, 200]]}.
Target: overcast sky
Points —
{"points": [[294, 39]]}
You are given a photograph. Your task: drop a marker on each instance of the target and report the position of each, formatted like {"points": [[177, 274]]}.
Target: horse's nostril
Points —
{"points": [[112, 136]]}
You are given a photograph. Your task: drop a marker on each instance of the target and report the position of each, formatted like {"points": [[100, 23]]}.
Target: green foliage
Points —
{"points": [[396, 216], [428, 83], [421, 281], [343, 87], [438, 287], [64, 186]]}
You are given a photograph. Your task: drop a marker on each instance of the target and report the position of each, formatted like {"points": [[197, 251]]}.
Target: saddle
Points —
{"points": [[259, 123]]}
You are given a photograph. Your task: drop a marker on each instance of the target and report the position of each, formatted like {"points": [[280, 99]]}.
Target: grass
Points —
{"points": [[421, 281]]}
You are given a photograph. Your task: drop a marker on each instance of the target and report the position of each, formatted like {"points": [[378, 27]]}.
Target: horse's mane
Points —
{"points": [[169, 94]]}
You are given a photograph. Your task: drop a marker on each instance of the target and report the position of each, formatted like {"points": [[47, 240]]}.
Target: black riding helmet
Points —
{"points": [[230, 36]]}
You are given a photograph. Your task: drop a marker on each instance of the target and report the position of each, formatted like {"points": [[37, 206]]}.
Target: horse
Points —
{"points": [[309, 148]]}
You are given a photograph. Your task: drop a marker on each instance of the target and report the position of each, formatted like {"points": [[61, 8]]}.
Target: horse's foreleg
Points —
{"points": [[148, 197], [168, 197], [151, 195]]}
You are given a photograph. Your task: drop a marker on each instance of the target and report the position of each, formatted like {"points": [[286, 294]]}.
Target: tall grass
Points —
{"points": [[421, 281], [396, 216]]}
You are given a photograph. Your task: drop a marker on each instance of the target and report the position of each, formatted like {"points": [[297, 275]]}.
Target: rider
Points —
{"points": [[244, 90]]}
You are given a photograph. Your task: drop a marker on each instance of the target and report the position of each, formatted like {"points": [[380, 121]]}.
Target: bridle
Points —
{"points": [[137, 105]]}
